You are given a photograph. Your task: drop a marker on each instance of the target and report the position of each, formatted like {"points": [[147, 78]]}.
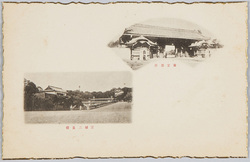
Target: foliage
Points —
{"points": [[113, 44], [42, 104], [29, 90], [33, 101], [216, 44], [126, 90], [128, 97]]}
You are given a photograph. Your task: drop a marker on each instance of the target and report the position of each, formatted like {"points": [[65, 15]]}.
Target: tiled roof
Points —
{"points": [[163, 32], [53, 88], [142, 39]]}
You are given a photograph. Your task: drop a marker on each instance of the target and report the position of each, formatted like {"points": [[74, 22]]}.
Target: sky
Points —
{"points": [[88, 81]]}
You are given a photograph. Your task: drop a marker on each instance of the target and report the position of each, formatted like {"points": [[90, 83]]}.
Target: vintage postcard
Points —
{"points": [[124, 80]]}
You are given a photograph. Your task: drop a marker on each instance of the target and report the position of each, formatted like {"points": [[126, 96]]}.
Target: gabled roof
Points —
{"points": [[56, 89], [141, 40], [163, 32], [198, 44]]}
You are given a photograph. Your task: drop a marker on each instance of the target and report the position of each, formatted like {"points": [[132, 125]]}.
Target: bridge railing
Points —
{"points": [[97, 102]]}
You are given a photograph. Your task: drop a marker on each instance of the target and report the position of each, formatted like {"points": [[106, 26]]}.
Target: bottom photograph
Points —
{"points": [[81, 97]]}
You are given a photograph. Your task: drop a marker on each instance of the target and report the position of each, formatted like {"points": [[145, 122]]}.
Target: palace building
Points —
{"points": [[150, 41]]}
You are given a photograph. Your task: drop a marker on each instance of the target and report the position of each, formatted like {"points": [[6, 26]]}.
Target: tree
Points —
{"points": [[125, 91], [128, 97], [113, 44], [29, 90], [215, 43]]}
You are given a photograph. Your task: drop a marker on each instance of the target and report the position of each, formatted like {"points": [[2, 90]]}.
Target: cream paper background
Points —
{"points": [[196, 111]]}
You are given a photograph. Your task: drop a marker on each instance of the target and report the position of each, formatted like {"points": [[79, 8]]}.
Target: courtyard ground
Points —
{"points": [[191, 61]]}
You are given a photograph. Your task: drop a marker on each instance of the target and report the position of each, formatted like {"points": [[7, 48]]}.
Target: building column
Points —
{"points": [[130, 53]]}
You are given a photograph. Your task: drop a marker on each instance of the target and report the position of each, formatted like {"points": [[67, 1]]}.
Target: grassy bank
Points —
{"points": [[115, 113]]}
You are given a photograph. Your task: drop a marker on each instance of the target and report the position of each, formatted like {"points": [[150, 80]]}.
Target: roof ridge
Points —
{"points": [[163, 27], [53, 86]]}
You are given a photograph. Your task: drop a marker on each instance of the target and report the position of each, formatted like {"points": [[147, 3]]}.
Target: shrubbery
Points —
{"points": [[33, 102]]}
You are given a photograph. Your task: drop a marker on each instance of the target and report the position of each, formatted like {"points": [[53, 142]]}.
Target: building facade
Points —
{"points": [[148, 41]]}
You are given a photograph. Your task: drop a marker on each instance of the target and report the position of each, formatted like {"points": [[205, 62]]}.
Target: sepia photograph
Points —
{"points": [[89, 97], [165, 38]]}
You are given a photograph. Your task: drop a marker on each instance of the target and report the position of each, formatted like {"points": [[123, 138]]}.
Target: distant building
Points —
{"points": [[118, 92], [52, 90], [39, 89]]}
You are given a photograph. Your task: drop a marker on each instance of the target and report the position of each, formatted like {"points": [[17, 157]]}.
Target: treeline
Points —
{"points": [[126, 96], [34, 102]]}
